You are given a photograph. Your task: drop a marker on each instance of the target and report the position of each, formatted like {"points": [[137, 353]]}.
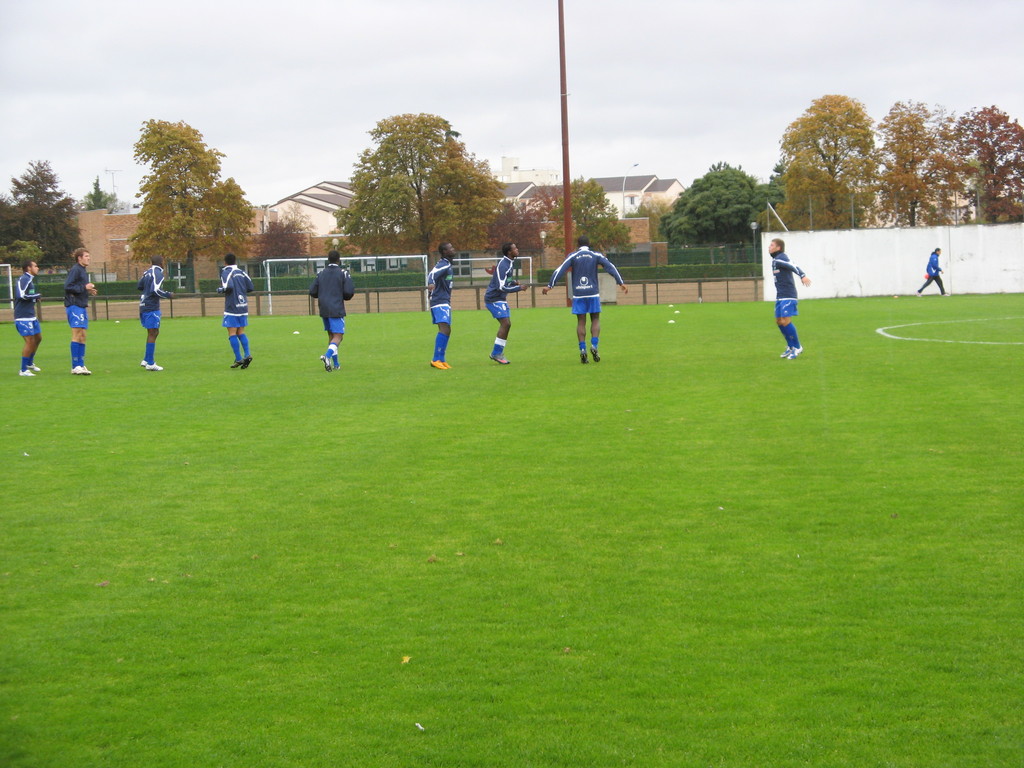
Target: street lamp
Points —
{"points": [[753, 228], [634, 165]]}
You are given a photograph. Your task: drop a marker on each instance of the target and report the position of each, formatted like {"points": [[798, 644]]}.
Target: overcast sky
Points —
{"points": [[288, 90]]}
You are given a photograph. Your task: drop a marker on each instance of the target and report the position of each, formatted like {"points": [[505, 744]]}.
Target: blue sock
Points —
{"points": [[794, 340], [499, 347], [332, 354], [245, 343], [583, 346], [440, 346], [593, 341], [32, 359], [25, 363], [77, 354], [150, 352], [236, 345]]}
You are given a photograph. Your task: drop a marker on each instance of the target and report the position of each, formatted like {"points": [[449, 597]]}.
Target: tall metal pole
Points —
{"points": [[566, 179]]}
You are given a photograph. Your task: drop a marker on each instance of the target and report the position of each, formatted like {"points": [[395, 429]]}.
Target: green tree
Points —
{"points": [[20, 251], [418, 185], [97, 199], [993, 146], [717, 208], [592, 215], [654, 210], [920, 171], [186, 209], [40, 212], [829, 153]]}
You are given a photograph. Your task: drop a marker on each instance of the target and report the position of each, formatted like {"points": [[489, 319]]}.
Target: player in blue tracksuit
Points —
{"points": [[151, 290], [235, 285], [785, 295], [332, 288], [77, 290], [586, 294], [500, 287], [25, 320], [439, 284], [932, 273]]}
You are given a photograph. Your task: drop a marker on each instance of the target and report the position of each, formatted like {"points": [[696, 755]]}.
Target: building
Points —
{"points": [[627, 193], [317, 203]]}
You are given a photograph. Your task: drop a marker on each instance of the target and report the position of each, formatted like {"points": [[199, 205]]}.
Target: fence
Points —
{"points": [[376, 300]]}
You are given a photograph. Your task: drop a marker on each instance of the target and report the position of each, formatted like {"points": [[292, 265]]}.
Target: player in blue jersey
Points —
{"points": [[439, 285], [151, 290], [500, 287], [332, 288], [236, 285], [586, 294], [77, 290], [785, 296], [932, 273], [25, 320]]}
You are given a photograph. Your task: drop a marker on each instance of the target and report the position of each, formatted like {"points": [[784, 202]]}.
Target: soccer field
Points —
{"points": [[693, 553]]}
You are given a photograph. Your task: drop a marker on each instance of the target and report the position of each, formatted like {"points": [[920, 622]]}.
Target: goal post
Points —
{"points": [[385, 271], [5, 269]]}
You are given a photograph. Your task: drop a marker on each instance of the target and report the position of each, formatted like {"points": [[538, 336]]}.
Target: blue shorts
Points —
{"points": [[235, 321], [334, 324], [28, 327], [785, 308], [442, 313], [591, 305], [150, 319], [499, 309], [78, 317]]}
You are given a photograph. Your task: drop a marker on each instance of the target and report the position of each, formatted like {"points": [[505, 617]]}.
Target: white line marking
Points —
{"points": [[883, 331]]}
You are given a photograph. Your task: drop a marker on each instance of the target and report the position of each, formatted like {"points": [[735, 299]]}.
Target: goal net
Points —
{"points": [[389, 271]]}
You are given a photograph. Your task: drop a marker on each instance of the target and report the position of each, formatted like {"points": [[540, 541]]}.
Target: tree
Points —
{"points": [[592, 215], [994, 147], [20, 251], [186, 209], [287, 238], [517, 223], [97, 199], [717, 208], [40, 212], [416, 186], [654, 210], [920, 173], [829, 153]]}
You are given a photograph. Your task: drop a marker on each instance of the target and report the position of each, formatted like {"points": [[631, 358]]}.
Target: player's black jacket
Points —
{"points": [[332, 288]]}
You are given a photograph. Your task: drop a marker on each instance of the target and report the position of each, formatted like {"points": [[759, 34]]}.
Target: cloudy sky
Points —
{"points": [[288, 90]]}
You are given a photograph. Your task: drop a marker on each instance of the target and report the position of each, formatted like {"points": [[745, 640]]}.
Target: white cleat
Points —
{"points": [[26, 372], [81, 370], [153, 367], [35, 368], [786, 353], [143, 363]]}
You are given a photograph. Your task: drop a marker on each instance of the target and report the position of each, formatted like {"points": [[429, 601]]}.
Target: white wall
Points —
{"points": [[879, 262]]}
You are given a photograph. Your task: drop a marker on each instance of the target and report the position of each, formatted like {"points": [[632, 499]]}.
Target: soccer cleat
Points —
{"points": [[153, 367], [34, 367], [439, 364], [796, 352], [328, 365], [583, 358], [26, 372], [446, 366], [237, 364], [499, 359], [143, 363], [247, 361], [81, 370], [786, 353], [593, 354]]}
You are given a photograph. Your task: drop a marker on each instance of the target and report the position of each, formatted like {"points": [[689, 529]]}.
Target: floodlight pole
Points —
{"points": [[566, 182]]}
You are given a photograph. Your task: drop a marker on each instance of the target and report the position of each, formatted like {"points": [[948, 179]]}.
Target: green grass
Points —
{"points": [[691, 554]]}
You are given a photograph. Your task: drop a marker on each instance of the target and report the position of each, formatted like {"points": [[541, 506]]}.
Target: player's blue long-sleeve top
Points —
{"points": [[584, 263], [151, 289], [785, 276], [332, 288], [75, 294], [25, 298], [441, 278], [499, 288], [933, 265], [235, 284]]}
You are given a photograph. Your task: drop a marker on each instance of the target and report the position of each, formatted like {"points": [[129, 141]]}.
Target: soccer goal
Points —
{"points": [[5, 270], [389, 271], [476, 269]]}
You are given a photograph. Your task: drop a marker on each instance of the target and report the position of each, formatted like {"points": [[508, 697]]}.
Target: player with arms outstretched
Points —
{"points": [[500, 287], [785, 296]]}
